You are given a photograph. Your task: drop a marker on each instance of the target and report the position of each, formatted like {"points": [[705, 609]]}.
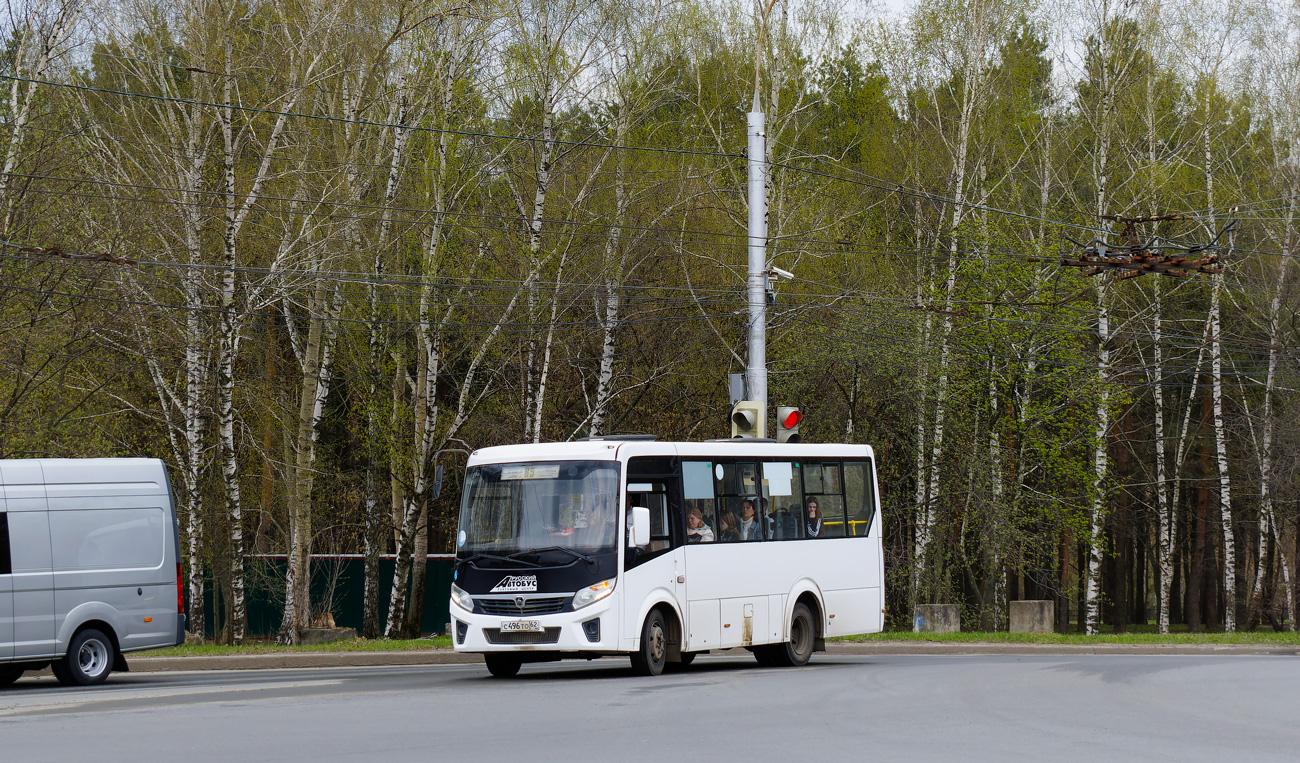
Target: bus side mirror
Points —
{"points": [[639, 534]]}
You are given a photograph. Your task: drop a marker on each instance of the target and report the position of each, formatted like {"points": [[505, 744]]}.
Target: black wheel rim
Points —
{"points": [[801, 636], [657, 643]]}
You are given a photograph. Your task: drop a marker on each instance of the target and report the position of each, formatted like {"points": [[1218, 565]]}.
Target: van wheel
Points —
{"points": [[796, 652], [650, 659], [89, 660], [9, 675], [502, 665]]}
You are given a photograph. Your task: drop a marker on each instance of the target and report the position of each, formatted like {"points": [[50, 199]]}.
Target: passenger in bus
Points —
{"points": [[749, 524], [696, 530], [774, 527], [727, 527], [814, 522]]}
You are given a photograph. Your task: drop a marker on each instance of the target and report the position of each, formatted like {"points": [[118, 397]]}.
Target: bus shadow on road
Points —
{"points": [[614, 668]]}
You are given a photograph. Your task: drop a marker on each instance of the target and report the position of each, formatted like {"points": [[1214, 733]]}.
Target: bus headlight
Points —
{"points": [[465, 601], [593, 594]]}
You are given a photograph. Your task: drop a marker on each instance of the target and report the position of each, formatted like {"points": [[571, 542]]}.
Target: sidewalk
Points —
{"points": [[143, 663]]}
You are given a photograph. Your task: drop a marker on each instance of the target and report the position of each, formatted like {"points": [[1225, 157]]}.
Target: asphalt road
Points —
{"points": [[958, 708]]}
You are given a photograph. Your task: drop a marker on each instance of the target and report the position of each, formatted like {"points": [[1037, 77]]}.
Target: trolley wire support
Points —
{"points": [[1137, 257]]}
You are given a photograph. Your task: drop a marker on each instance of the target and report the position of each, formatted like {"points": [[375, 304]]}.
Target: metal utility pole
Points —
{"points": [[756, 372]]}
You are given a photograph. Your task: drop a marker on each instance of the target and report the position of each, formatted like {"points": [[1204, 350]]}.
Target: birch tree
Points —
{"points": [[123, 136], [961, 39]]}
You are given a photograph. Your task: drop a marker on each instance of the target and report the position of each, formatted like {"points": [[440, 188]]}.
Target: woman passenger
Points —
{"points": [[814, 519]]}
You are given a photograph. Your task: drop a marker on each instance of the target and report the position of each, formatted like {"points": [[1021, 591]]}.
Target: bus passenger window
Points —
{"points": [[831, 507], [861, 497], [783, 500]]}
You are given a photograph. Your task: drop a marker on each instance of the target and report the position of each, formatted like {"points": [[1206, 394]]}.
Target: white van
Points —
{"points": [[89, 566]]}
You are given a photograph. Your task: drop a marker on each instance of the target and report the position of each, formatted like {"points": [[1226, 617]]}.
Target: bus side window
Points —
{"points": [[783, 500], [697, 488], [860, 492], [824, 482]]}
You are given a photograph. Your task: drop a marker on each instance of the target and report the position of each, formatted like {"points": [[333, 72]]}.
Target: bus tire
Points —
{"points": [[796, 652], [650, 659], [502, 665]]}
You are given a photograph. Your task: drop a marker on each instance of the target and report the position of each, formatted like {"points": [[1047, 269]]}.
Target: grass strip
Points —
{"points": [[343, 645], [1266, 638]]}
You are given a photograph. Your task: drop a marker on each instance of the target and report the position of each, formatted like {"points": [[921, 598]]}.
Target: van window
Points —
{"points": [[106, 539], [6, 564]]}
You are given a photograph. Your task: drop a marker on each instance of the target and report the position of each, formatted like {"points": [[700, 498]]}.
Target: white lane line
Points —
{"points": [[131, 695]]}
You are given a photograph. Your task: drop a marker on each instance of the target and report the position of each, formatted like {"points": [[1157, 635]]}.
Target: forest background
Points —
{"points": [[296, 248]]}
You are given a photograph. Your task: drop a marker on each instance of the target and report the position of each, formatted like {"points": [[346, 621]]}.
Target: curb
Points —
{"points": [[145, 664], [991, 647]]}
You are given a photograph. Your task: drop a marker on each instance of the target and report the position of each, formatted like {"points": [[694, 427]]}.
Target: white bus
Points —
{"points": [[665, 550]]}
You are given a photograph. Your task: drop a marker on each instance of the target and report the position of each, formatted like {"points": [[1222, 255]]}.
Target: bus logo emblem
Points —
{"points": [[516, 584], [519, 602]]}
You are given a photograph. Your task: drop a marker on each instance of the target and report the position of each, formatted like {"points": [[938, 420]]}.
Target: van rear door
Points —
{"points": [[32, 580]]}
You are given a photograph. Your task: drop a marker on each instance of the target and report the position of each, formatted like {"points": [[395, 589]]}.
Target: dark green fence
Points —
{"points": [[336, 580]]}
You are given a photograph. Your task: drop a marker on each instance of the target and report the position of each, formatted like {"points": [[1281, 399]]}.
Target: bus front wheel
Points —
{"points": [[650, 658], [502, 665]]}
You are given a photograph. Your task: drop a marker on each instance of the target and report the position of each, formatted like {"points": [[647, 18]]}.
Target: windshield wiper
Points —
{"points": [[507, 559], [544, 549]]}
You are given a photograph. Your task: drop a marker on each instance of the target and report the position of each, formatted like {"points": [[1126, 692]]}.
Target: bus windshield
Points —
{"points": [[523, 511]]}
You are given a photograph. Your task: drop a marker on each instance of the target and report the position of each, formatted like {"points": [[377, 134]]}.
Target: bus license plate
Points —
{"points": [[516, 626]]}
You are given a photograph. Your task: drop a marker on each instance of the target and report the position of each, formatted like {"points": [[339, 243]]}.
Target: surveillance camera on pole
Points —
{"points": [[779, 273]]}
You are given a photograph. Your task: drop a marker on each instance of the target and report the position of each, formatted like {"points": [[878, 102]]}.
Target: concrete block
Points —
{"points": [[936, 618], [1033, 617], [326, 635]]}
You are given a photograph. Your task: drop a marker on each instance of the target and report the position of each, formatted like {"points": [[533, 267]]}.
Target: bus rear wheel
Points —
{"points": [[649, 660], [502, 665], [797, 651]]}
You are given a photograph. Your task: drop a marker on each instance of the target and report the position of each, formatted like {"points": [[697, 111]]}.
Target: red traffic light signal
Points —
{"points": [[788, 419]]}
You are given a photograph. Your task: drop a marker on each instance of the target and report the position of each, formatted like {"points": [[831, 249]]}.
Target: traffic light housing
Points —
{"points": [[748, 420], [788, 419]]}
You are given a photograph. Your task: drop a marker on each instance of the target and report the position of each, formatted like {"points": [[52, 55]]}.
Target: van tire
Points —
{"points": [[89, 659], [796, 652], [650, 659], [502, 665], [9, 674]]}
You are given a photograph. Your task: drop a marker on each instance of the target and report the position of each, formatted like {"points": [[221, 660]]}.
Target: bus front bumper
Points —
{"points": [[591, 629]]}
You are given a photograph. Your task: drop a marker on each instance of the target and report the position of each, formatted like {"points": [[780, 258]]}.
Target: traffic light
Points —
{"points": [[787, 423], [748, 420]]}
